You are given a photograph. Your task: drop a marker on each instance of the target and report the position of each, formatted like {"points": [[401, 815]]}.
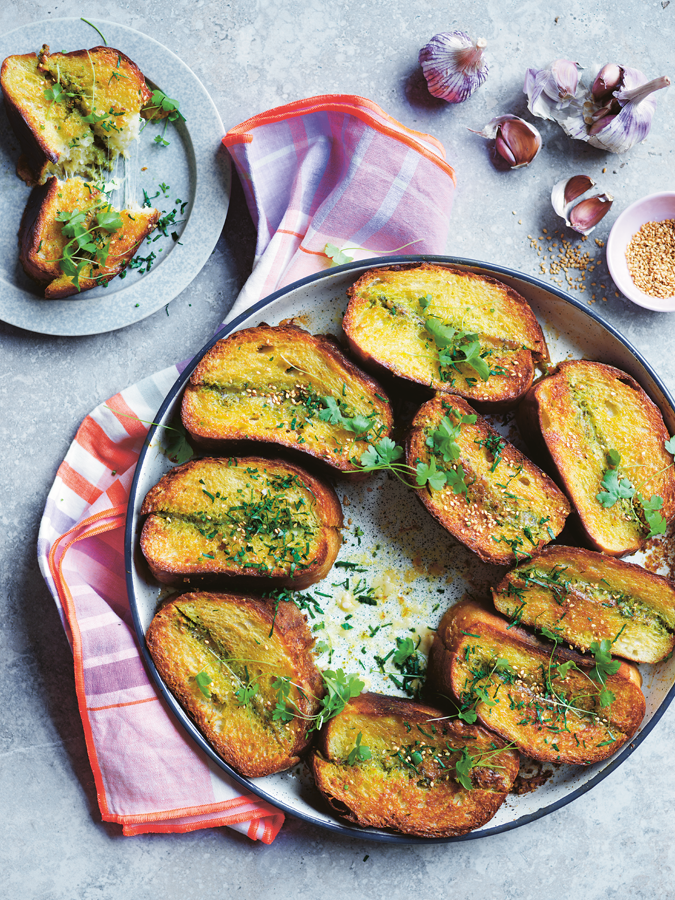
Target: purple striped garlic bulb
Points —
{"points": [[453, 65]]}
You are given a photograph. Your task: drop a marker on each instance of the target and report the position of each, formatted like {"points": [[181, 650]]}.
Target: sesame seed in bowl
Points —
{"points": [[641, 252]]}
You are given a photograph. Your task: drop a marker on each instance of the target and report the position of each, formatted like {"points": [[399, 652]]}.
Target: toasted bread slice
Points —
{"points": [[392, 763], [220, 654], [523, 689], [73, 113], [402, 319], [277, 384], [504, 507], [583, 597], [42, 241], [582, 412], [245, 517]]}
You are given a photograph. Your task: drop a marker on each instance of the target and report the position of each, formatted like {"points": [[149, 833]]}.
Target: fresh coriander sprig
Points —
{"points": [[339, 256], [617, 487]]}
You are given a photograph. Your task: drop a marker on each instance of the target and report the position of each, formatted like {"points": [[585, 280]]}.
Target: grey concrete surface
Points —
{"points": [[614, 842]]}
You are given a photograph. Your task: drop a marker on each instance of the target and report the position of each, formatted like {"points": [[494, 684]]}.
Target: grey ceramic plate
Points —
{"points": [[194, 170], [415, 567]]}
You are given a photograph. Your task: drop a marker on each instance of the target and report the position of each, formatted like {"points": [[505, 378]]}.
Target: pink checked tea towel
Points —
{"points": [[332, 169]]}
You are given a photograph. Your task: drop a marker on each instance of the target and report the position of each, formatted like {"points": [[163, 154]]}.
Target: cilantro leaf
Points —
{"points": [[357, 424], [427, 473], [655, 520], [670, 445], [338, 257], [109, 220], [175, 444], [616, 488], [443, 335], [604, 664], [359, 753], [203, 680], [332, 413], [405, 649], [456, 479], [463, 767]]}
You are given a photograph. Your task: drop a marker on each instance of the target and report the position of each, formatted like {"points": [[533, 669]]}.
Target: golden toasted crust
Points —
{"points": [[272, 383], [385, 325], [515, 685], [510, 507], [581, 412], [248, 517], [238, 646], [52, 131], [409, 782], [42, 242], [584, 596]]}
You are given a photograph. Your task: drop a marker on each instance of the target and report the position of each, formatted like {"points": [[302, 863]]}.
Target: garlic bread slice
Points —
{"points": [[42, 242], [451, 330], [488, 495], [606, 439], [220, 655], [555, 704], [248, 517], [282, 385], [391, 763], [585, 597], [73, 113]]}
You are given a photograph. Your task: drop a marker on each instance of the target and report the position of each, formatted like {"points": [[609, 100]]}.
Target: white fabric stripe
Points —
{"points": [[107, 658], [392, 199], [101, 621], [85, 464]]}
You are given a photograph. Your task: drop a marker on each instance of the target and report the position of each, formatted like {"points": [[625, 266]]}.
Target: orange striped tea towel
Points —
{"points": [[332, 169]]}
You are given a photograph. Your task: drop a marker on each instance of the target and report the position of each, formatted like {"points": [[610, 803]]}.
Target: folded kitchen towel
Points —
{"points": [[333, 169]]}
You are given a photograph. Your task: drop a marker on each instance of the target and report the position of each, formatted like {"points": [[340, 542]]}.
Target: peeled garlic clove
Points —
{"points": [[516, 140], [453, 65], [587, 213], [607, 80], [552, 88], [632, 125]]}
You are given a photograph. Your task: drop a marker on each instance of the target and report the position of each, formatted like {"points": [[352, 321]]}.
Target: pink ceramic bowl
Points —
{"points": [[654, 208]]}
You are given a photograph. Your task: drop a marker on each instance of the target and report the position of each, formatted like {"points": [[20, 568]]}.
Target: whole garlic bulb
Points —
{"points": [[453, 65], [614, 113]]}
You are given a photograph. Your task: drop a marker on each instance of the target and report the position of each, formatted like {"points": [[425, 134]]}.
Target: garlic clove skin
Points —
{"points": [[453, 65], [516, 140], [587, 213], [551, 89]]}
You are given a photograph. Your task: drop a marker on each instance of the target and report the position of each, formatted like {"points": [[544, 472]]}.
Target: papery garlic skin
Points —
{"points": [[551, 89], [453, 65], [516, 141], [584, 215]]}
